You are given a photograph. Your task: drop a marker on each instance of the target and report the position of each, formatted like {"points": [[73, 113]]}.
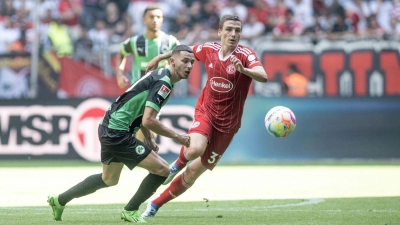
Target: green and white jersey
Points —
{"points": [[144, 50], [151, 90]]}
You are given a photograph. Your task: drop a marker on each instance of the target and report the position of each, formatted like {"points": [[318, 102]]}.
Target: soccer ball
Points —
{"points": [[280, 121]]}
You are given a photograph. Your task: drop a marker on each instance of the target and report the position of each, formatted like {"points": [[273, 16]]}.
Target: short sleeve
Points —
{"points": [[126, 47], [158, 94], [199, 52], [251, 60]]}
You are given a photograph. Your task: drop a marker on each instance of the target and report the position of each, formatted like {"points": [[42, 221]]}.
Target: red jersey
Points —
{"points": [[222, 99]]}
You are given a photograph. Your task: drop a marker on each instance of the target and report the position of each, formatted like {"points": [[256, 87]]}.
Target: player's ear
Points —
{"points": [[219, 32]]}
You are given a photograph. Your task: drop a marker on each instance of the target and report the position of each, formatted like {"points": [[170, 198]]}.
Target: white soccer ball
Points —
{"points": [[280, 121]]}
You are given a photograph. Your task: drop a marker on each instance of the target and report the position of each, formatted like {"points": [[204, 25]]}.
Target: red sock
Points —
{"points": [[182, 160], [176, 188]]}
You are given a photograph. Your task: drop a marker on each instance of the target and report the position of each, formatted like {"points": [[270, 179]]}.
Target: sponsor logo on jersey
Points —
{"points": [[220, 84], [230, 69], [140, 49], [164, 91], [140, 149]]}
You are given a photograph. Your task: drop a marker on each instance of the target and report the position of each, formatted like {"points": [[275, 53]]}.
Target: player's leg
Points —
{"points": [[178, 186], [208, 160], [109, 177], [159, 171]]}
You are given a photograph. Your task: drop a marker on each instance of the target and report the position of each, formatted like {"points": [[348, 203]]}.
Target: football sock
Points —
{"points": [[176, 188], [87, 186], [146, 189], [182, 160]]}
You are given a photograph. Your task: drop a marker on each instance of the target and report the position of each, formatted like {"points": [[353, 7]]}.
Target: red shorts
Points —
{"points": [[218, 142]]}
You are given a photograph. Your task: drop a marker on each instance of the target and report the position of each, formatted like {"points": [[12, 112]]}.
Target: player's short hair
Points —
{"points": [[151, 7], [177, 49], [229, 17]]}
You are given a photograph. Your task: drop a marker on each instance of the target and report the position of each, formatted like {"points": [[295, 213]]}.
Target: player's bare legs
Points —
{"points": [[178, 186], [198, 144], [139, 135]]}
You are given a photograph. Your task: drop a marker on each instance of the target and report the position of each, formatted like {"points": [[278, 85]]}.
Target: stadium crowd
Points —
{"points": [[84, 25]]}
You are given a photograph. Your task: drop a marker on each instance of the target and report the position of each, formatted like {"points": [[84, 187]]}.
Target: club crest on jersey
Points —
{"points": [[195, 124], [164, 91], [140, 150], [199, 48], [230, 69]]}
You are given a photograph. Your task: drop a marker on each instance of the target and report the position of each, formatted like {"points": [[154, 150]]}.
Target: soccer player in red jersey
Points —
{"points": [[231, 67]]}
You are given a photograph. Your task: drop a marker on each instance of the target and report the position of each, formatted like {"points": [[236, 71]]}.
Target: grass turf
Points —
{"points": [[341, 211]]}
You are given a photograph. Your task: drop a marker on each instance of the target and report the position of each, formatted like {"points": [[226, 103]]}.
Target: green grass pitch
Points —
{"points": [[343, 194]]}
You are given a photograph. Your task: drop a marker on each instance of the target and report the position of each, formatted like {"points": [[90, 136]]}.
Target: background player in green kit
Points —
{"points": [[145, 47], [136, 109]]}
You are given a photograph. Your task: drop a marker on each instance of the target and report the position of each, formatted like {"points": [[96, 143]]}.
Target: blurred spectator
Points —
{"points": [[295, 84], [59, 38], [252, 28], [373, 29], [92, 11], [340, 28], [210, 19], [116, 23], [278, 12], [234, 7], [14, 78], [395, 20], [259, 8], [99, 35], [302, 11], [83, 47], [181, 26], [9, 34], [7, 8], [289, 28], [316, 31], [70, 11]]}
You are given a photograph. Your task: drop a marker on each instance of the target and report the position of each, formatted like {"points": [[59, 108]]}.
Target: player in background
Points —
{"points": [[136, 109], [231, 67], [145, 47]]}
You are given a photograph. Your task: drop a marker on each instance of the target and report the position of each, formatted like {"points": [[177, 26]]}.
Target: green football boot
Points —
{"points": [[56, 207], [132, 216]]}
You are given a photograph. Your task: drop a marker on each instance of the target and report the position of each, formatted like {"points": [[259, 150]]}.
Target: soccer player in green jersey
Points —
{"points": [[145, 47], [136, 109]]}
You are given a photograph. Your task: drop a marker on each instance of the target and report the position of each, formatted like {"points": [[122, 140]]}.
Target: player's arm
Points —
{"points": [[151, 122], [153, 64], [120, 60], [148, 138], [257, 73]]}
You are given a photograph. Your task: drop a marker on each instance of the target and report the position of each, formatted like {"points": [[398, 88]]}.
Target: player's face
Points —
{"points": [[153, 20], [230, 33], [183, 64]]}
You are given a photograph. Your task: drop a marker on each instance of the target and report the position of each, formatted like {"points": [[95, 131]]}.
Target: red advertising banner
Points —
{"points": [[79, 80]]}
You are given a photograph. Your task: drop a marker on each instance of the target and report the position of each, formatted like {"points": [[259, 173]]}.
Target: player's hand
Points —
{"points": [[122, 81], [237, 64], [153, 64], [183, 139], [152, 144]]}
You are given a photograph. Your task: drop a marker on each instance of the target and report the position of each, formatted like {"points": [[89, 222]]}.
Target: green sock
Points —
{"points": [[87, 186], [146, 189]]}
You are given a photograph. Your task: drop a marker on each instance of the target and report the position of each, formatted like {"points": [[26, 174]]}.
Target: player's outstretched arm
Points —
{"points": [[153, 64], [151, 122], [257, 73]]}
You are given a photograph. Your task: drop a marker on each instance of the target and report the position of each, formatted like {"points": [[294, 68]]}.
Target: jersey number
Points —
{"points": [[214, 158]]}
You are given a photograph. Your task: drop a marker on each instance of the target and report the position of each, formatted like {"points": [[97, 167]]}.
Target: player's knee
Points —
{"points": [[192, 153], [161, 170], [110, 181]]}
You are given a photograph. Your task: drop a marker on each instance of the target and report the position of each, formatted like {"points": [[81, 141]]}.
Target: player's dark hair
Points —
{"points": [[229, 17], [177, 49], [151, 7]]}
